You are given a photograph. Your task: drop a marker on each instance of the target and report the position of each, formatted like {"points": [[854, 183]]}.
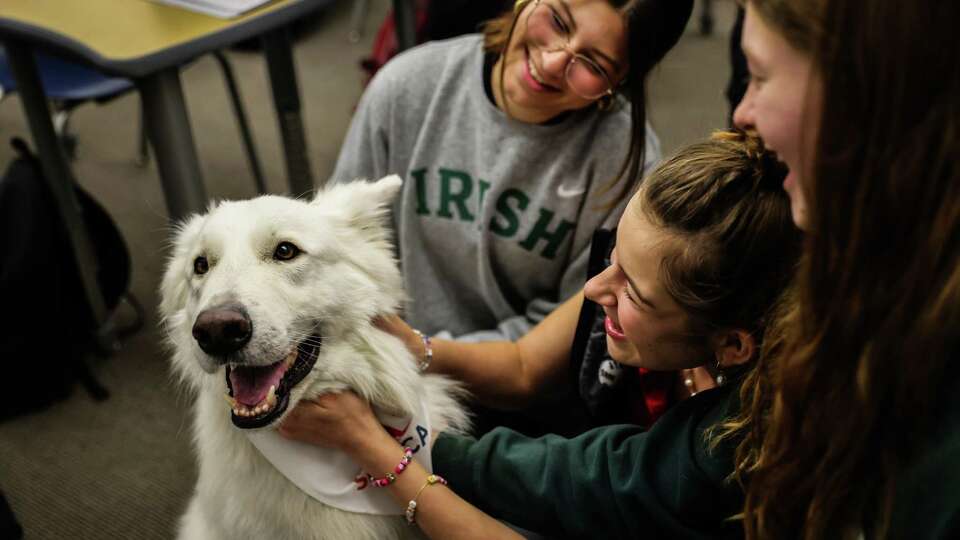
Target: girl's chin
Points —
{"points": [[530, 91], [798, 206], [798, 211], [623, 352]]}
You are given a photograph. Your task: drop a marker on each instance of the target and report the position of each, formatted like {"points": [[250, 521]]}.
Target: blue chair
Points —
{"points": [[68, 85]]}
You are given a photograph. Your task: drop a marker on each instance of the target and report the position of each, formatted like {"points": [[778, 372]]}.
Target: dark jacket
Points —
{"points": [[610, 482], [927, 497]]}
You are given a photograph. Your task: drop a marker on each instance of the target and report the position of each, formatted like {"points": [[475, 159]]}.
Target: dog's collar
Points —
{"points": [[329, 476]]}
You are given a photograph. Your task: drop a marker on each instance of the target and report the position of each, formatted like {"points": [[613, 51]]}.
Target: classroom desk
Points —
{"points": [[147, 42]]}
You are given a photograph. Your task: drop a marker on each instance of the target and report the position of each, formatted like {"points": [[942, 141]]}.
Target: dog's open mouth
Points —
{"points": [[260, 394]]}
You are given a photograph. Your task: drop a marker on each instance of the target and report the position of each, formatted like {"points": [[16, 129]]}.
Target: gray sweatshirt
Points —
{"points": [[495, 218]]}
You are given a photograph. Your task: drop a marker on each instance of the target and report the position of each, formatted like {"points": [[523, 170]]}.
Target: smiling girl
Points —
{"points": [[852, 428], [515, 145]]}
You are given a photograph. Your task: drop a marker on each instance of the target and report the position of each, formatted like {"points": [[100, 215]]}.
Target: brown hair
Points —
{"points": [[736, 245], [835, 410], [653, 28], [798, 22]]}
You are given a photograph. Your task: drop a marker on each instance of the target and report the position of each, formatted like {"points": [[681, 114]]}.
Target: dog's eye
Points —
{"points": [[200, 265], [285, 251]]}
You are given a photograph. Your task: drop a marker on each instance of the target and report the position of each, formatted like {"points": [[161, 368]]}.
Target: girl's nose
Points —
{"points": [[743, 114], [600, 288], [555, 62]]}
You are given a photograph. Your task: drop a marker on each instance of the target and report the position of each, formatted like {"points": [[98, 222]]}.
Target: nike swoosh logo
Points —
{"points": [[566, 193]]}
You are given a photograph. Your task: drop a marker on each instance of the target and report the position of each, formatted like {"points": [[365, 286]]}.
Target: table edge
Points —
{"points": [[139, 67]]}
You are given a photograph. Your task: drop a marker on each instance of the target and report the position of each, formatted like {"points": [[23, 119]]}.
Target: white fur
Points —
{"points": [[345, 275]]}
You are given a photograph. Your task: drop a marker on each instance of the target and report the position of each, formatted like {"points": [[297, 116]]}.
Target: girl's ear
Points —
{"points": [[733, 347]]}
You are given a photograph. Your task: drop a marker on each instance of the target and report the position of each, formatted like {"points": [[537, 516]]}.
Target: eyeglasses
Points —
{"points": [[548, 31]]}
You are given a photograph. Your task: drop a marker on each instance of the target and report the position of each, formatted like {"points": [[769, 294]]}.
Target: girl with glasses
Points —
{"points": [[515, 146], [703, 252]]}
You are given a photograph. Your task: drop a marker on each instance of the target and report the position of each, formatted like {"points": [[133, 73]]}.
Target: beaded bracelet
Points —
{"points": [[411, 511], [427, 350], [365, 480]]}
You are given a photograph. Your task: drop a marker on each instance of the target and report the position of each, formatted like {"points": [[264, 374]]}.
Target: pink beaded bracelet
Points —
{"points": [[364, 480]]}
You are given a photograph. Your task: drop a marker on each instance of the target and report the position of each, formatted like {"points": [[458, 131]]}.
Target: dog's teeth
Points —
{"points": [[272, 396], [267, 403], [231, 401], [291, 358]]}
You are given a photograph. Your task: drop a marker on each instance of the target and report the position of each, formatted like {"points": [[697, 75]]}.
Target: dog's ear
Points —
{"points": [[360, 200], [386, 188]]}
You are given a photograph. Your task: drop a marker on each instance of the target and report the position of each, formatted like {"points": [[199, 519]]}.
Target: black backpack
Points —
{"points": [[47, 330]]}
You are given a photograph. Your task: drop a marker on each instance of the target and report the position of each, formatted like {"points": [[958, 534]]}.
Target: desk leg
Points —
{"points": [[405, 21], [357, 17], [61, 182], [168, 128], [286, 98], [706, 17]]}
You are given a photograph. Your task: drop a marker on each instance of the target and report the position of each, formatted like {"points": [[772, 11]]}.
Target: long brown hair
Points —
{"points": [[653, 28], [851, 375]]}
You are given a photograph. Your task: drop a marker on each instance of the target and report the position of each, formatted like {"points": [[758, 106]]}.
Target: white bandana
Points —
{"points": [[328, 475]]}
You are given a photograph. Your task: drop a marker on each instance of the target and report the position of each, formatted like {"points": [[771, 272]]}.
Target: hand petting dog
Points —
{"points": [[342, 421]]}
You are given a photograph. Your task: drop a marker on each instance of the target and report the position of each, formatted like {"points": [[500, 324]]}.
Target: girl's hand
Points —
{"points": [[393, 324], [341, 421]]}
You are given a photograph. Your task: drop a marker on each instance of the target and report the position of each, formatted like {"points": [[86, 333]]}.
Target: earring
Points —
{"points": [[605, 102], [519, 5], [689, 382], [720, 378]]}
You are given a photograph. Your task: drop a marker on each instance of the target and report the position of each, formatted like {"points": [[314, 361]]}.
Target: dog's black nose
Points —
{"points": [[222, 330]]}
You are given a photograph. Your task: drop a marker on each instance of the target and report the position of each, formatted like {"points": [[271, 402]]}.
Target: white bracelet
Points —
{"points": [[428, 350], [411, 511]]}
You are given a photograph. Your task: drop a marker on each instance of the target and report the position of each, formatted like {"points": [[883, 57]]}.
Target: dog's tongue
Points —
{"points": [[251, 383]]}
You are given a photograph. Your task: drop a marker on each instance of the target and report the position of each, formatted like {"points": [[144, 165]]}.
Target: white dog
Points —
{"points": [[269, 301]]}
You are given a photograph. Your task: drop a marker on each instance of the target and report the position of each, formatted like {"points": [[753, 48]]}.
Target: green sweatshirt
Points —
{"points": [[610, 482]]}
